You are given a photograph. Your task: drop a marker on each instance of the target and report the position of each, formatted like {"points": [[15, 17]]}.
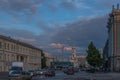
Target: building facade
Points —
{"points": [[78, 60], [73, 57], [114, 39], [49, 59], [106, 57], [82, 62], [12, 50]]}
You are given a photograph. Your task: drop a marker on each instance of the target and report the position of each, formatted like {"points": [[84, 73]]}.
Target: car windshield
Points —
{"points": [[16, 68], [31, 71], [16, 72], [42, 70]]}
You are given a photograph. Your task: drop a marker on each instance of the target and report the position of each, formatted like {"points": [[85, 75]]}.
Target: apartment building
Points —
{"points": [[13, 50]]}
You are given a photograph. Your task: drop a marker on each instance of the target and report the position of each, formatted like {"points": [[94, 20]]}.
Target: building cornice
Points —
{"points": [[19, 42]]}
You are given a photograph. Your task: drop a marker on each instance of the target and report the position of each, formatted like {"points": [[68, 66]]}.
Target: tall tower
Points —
{"points": [[74, 52], [73, 57], [114, 38]]}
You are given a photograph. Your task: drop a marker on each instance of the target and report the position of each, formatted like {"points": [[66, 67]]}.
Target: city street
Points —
{"points": [[60, 39], [77, 76]]}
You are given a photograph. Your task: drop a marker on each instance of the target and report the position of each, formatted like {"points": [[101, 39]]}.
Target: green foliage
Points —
{"points": [[43, 60], [93, 57]]}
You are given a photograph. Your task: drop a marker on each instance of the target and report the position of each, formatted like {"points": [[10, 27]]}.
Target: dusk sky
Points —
{"points": [[50, 24]]}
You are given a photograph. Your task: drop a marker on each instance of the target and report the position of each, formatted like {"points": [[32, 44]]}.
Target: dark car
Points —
{"points": [[26, 75], [65, 70], [91, 70], [76, 69], [70, 71], [41, 72], [50, 73], [32, 72]]}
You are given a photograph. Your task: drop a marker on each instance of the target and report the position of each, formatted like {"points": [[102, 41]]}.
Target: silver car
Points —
{"points": [[15, 75], [19, 75]]}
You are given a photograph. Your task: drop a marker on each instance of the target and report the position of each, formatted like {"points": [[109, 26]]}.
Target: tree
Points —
{"points": [[43, 60], [93, 58]]}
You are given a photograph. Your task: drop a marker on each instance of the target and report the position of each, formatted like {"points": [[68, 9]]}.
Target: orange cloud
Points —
{"points": [[57, 45], [68, 48]]}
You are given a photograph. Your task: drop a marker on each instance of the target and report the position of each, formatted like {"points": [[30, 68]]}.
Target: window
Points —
{"points": [[0, 56], [5, 46], [12, 47], [0, 44], [8, 46]]}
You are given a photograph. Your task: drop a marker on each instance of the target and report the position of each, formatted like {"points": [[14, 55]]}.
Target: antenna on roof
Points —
{"points": [[117, 6]]}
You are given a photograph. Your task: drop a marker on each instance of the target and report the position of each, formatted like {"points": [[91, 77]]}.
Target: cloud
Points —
{"points": [[106, 3], [81, 32], [26, 7], [45, 27], [19, 7], [68, 49], [68, 4], [19, 34], [40, 41], [53, 37], [27, 40], [57, 45], [74, 4], [78, 33], [60, 46]]}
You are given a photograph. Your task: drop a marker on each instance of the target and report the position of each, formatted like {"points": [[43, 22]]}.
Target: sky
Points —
{"points": [[53, 24]]}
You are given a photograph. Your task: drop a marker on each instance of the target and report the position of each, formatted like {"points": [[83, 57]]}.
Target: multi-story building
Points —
{"points": [[78, 60], [13, 50], [49, 59], [82, 62], [106, 58], [114, 39]]}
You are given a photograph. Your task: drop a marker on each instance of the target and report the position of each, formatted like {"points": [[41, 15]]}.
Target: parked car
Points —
{"points": [[19, 75], [50, 73], [76, 69], [41, 72], [32, 72], [15, 75], [70, 71], [91, 70], [65, 70], [26, 75]]}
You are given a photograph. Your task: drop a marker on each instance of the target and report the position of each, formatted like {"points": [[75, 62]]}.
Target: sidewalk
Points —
{"points": [[3, 74], [105, 76]]}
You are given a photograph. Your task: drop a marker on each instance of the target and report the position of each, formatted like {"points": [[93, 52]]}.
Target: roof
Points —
{"points": [[18, 42]]}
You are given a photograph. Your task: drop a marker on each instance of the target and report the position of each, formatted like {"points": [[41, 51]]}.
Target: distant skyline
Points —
{"points": [[50, 24]]}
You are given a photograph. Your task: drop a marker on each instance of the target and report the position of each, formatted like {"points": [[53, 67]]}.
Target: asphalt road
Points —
{"points": [[3, 75], [59, 76], [82, 75]]}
